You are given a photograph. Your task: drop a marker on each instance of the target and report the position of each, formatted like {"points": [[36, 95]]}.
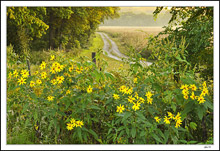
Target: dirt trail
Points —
{"points": [[113, 52]]}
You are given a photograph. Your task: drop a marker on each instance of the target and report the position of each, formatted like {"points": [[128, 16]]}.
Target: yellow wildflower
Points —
{"points": [[52, 57], [79, 123], [54, 81], [141, 100], [166, 120], [78, 70], [50, 98], [116, 96], [193, 87], [15, 73], [201, 99], [24, 73], [193, 96], [60, 79], [36, 72], [68, 92], [185, 87], [148, 94], [177, 117], [186, 97], [89, 89], [120, 108], [53, 69], [43, 75], [136, 95], [135, 80], [136, 106], [38, 81], [149, 100], [157, 119], [130, 99], [171, 116], [71, 69], [32, 83], [69, 126], [21, 81], [43, 65], [178, 123], [10, 75]]}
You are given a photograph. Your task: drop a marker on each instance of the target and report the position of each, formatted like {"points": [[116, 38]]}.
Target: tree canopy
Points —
{"points": [[196, 25], [38, 28]]}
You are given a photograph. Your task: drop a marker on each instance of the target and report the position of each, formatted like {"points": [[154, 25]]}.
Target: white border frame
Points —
{"points": [[215, 4]]}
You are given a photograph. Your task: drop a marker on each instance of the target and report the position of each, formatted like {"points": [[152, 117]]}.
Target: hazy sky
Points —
{"points": [[138, 9]]}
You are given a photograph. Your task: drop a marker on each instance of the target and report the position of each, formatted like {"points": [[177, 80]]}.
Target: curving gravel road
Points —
{"points": [[114, 52]]}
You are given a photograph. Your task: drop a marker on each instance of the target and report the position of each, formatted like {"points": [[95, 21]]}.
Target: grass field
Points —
{"points": [[126, 37]]}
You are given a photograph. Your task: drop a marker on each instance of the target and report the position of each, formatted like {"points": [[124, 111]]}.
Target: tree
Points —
{"points": [[69, 27], [196, 25], [24, 24]]}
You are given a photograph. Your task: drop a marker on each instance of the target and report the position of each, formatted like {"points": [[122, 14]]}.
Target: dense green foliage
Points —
{"points": [[196, 25], [69, 100], [37, 28], [44, 112], [141, 19]]}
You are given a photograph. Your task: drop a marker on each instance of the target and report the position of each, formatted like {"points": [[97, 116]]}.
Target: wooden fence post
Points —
{"points": [[94, 57], [29, 69]]}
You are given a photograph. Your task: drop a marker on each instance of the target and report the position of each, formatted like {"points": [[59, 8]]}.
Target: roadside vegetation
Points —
{"points": [[63, 97]]}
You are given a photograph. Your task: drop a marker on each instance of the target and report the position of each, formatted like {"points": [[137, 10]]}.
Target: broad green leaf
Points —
{"points": [[93, 133], [126, 115], [140, 115], [200, 111], [156, 137], [133, 132], [193, 125], [161, 133], [142, 133], [121, 128]]}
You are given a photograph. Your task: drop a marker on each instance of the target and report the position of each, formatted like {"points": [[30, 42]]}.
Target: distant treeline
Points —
{"points": [[37, 28], [141, 19]]}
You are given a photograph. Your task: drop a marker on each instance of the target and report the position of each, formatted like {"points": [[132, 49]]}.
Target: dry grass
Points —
{"points": [[125, 37]]}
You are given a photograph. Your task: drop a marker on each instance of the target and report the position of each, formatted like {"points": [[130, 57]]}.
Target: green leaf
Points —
{"points": [[187, 108], [25, 107], [182, 141], [79, 133], [193, 125], [142, 133], [208, 104], [174, 139], [161, 133], [93, 133], [33, 96], [157, 87], [156, 138], [126, 115], [173, 106], [191, 142], [121, 128], [166, 134], [127, 131], [140, 115], [200, 111], [95, 107], [109, 131], [58, 129], [133, 132], [121, 133]]}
